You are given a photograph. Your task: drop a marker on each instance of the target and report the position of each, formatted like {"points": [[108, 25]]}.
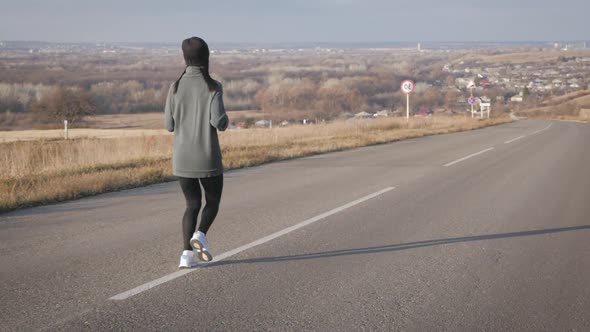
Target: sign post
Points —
{"points": [[471, 101], [407, 88], [486, 107]]}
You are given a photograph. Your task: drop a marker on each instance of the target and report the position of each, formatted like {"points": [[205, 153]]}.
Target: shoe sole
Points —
{"points": [[203, 255]]}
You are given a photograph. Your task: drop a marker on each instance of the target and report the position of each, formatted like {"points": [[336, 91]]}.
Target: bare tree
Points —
{"points": [[64, 104]]}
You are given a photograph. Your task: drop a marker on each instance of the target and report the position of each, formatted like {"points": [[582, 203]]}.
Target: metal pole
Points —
{"points": [[407, 107], [471, 104]]}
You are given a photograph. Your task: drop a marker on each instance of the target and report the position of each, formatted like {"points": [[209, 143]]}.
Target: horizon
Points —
{"points": [[305, 21], [352, 44]]}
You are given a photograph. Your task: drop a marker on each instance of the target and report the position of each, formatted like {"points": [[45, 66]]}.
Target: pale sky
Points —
{"points": [[271, 21]]}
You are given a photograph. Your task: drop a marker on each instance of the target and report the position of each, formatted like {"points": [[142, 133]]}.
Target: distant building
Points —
{"points": [[381, 114], [262, 123], [363, 115], [483, 80], [424, 112], [516, 99]]}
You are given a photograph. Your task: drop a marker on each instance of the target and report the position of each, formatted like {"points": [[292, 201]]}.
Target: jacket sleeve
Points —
{"points": [[219, 119], [169, 108]]}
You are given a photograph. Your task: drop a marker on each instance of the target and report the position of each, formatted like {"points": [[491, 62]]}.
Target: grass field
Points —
{"points": [[110, 126], [24, 123], [572, 106], [145, 120], [43, 171], [577, 96], [52, 134]]}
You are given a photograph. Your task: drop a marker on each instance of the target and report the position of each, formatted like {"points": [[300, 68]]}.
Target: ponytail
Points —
{"points": [[211, 83], [178, 81]]}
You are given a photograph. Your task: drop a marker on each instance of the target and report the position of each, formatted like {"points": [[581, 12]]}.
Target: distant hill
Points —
{"points": [[567, 105]]}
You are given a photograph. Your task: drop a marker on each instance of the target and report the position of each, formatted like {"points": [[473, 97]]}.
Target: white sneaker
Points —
{"points": [[201, 245], [187, 260]]}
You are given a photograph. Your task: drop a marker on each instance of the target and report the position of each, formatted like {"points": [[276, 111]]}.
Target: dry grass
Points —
{"points": [[24, 126], [523, 57], [42, 171], [53, 134], [144, 120], [572, 106], [582, 96], [111, 121], [545, 116]]}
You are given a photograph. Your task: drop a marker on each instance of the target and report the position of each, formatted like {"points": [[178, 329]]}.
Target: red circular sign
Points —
{"points": [[408, 86]]}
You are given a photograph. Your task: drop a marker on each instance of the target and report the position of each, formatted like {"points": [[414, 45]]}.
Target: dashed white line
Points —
{"points": [[467, 157], [538, 131], [523, 136], [180, 273], [514, 139]]}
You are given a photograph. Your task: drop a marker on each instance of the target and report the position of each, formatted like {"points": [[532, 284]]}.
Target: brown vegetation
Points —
{"points": [[287, 86], [520, 57], [562, 107], [42, 171], [63, 104]]}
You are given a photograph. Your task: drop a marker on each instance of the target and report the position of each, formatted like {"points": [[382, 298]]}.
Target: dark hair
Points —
{"points": [[196, 53]]}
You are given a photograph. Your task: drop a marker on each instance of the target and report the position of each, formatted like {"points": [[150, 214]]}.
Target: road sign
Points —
{"points": [[471, 100], [408, 87]]}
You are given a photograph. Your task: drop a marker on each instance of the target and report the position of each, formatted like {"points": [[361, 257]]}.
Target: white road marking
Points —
{"points": [[180, 273], [538, 131], [467, 157], [533, 133], [515, 139]]}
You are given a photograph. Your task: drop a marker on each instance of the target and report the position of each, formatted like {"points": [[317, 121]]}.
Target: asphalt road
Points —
{"points": [[485, 230]]}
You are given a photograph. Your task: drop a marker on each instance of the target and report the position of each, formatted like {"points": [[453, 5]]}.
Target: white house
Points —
{"points": [[363, 115], [381, 114], [262, 123]]}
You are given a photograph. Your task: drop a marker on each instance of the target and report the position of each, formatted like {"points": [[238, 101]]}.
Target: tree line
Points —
{"points": [[287, 86]]}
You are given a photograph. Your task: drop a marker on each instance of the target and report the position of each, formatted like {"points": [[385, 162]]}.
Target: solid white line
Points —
{"points": [[180, 273], [467, 157], [515, 139]]}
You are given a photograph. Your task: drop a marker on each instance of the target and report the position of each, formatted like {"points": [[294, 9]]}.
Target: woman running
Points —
{"points": [[194, 112]]}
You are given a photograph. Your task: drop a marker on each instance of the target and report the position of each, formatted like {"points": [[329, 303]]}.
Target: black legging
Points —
{"points": [[213, 187]]}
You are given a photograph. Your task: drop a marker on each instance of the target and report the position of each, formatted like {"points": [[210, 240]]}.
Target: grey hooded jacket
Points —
{"points": [[195, 114]]}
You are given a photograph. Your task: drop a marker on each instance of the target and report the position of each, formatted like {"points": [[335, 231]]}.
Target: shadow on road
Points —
{"points": [[396, 247]]}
